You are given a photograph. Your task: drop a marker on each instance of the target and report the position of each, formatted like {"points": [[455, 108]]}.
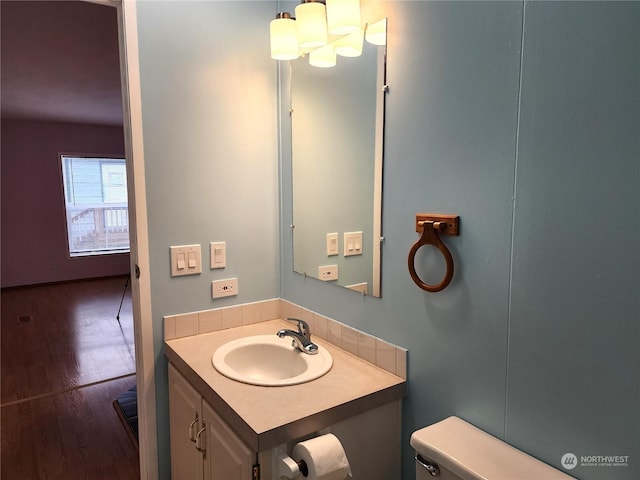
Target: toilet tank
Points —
{"points": [[456, 450]]}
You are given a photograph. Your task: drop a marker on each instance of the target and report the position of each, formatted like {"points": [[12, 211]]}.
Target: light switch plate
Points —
{"points": [[185, 260], [218, 254], [332, 244], [352, 243]]}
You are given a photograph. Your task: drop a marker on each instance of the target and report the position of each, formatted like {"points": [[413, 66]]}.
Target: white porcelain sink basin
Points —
{"points": [[269, 360]]}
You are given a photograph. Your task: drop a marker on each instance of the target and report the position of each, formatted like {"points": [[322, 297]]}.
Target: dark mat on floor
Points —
{"points": [[127, 407]]}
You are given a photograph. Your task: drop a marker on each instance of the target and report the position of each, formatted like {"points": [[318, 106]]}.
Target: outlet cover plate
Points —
{"points": [[328, 272], [224, 288]]}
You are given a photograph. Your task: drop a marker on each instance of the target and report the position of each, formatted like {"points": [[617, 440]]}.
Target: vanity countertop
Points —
{"points": [[264, 417]]}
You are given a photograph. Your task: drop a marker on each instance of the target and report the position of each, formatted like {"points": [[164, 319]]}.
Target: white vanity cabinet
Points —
{"points": [[202, 445], [227, 430]]}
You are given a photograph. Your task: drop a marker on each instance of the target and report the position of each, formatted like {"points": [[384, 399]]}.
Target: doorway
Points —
{"points": [[49, 106]]}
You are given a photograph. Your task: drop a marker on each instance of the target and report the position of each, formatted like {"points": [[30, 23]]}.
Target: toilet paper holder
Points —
{"points": [[318, 458], [302, 465], [291, 469]]}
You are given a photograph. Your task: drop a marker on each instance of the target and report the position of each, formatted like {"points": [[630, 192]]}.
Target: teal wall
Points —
{"points": [[533, 139], [524, 119], [574, 338], [210, 148]]}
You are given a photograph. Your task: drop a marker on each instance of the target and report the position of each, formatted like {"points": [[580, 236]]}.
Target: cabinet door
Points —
{"points": [[226, 458], [185, 416]]}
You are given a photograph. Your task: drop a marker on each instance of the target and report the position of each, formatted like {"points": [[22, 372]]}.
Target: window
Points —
{"points": [[95, 198]]}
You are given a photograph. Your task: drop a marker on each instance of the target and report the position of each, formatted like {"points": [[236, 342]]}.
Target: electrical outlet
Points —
{"points": [[328, 272], [224, 288]]}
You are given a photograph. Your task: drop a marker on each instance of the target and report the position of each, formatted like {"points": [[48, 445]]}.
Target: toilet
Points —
{"points": [[453, 449]]}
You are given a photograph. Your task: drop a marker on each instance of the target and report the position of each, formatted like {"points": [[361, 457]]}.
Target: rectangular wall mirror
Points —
{"points": [[337, 148]]}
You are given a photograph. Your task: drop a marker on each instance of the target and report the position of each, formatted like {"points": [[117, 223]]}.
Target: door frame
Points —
{"points": [[139, 238]]}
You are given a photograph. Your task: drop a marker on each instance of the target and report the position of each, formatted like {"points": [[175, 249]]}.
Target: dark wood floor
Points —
{"points": [[64, 360]]}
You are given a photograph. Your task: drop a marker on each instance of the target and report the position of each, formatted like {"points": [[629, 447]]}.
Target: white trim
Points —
{"points": [[141, 287], [377, 180]]}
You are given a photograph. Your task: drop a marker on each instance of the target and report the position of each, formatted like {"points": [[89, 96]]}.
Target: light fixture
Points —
{"points": [[377, 32], [324, 57], [343, 16], [284, 39], [350, 45], [311, 24]]}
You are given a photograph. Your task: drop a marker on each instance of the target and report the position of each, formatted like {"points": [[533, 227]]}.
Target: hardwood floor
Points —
{"points": [[71, 435], [64, 360]]}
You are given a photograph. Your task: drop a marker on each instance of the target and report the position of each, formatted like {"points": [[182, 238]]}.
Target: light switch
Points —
{"points": [[218, 254], [185, 260], [332, 244], [352, 243]]}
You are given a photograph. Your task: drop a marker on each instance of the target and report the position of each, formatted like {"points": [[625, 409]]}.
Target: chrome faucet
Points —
{"points": [[300, 339]]}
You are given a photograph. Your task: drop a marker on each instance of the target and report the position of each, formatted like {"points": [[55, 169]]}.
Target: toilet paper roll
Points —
{"points": [[324, 456]]}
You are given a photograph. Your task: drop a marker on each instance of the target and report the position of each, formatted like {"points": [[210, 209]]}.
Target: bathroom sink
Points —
{"points": [[269, 360]]}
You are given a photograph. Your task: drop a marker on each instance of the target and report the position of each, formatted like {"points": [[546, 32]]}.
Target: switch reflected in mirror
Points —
{"points": [[352, 243], [332, 244], [337, 118]]}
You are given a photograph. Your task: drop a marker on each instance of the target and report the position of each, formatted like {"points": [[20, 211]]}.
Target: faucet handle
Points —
{"points": [[303, 327]]}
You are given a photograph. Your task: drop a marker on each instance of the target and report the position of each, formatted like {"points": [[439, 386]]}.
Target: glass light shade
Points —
{"points": [[284, 39], [343, 16], [311, 25], [377, 32], [323, 57], [350, 45]]}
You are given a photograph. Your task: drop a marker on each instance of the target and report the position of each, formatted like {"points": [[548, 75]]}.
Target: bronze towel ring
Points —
{"points": [[430, 225]]}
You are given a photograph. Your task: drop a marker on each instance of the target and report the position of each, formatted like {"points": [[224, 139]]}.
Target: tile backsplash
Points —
{"points": [[369, 348]]}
